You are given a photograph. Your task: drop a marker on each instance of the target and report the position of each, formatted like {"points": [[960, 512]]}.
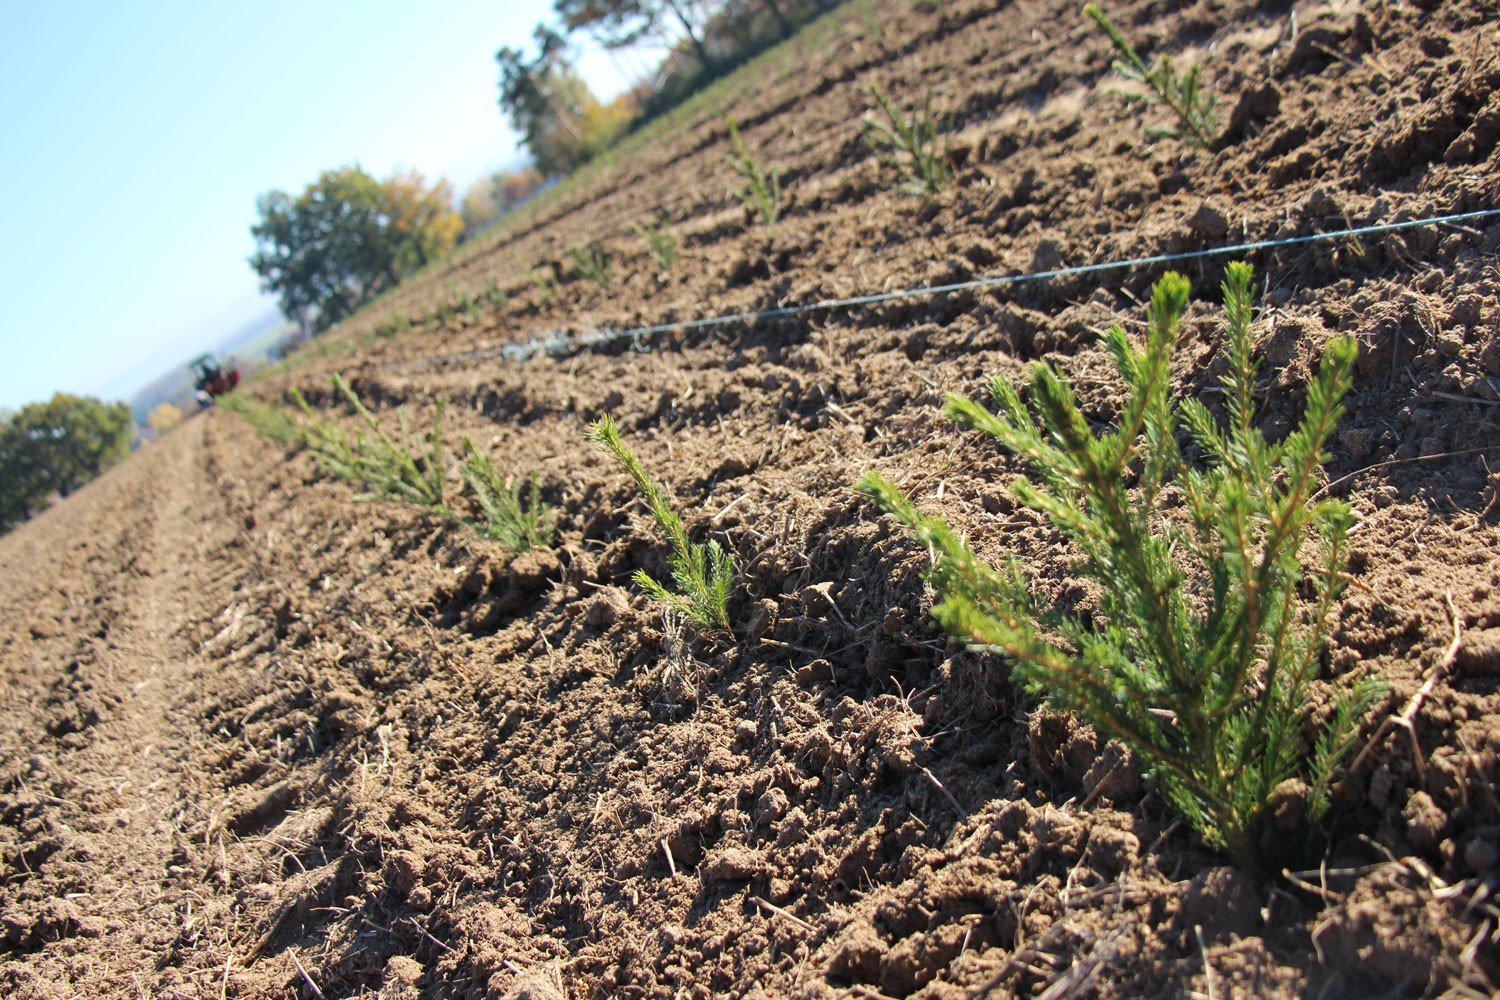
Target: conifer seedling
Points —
{"points": [[272, 421], [703, 573], [660, 241], [1202, 652], [540, 277], [908, 143], [409, 469], [591, 261], [519, 521], [762, 190], [1184, 95]]}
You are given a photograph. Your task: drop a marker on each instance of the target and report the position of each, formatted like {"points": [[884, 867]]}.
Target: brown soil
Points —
{"points": [[255, 736]]}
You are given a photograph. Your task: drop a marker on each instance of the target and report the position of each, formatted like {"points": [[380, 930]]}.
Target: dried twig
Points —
{"points": [[1208, 970], [1491, 492], [305, 977], [1022, 958], [1454, 397], [962, 813], [264, 941], [1407, 718], [1078, 979], [423, 931], [777, 911], [1400, 461]]}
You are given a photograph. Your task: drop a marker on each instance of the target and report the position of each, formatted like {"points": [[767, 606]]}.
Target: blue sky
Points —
{"points": [[138, 137]]}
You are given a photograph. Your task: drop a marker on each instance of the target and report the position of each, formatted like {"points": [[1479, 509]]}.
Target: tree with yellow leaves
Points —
{"points": [[163, 417]]}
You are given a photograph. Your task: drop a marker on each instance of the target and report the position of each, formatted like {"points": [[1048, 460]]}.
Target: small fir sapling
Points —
{"points": [[703, 574], [762, 189], [1183, 95], [1202, 653]]}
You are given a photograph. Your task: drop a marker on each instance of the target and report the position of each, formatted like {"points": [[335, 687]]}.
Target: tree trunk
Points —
{"points": [[781, 19], [692, 36]]}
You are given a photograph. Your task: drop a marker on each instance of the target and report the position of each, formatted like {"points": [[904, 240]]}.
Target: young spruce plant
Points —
{"points": [[519, 521], [1201, 653], [591, 261], [271, 420], [703, 573], [908, 143], [541, 277], [1182, 94], [410, 470], [762, 190], [660, 240]]}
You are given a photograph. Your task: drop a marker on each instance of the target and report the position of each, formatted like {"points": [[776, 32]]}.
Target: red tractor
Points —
{"points": [[211, 380]]}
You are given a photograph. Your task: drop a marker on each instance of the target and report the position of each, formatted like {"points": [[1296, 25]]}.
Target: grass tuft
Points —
{"points": [[1201, 654], [703, 573]]}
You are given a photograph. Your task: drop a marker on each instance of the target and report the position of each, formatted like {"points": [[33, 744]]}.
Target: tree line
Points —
{"points": [[563, 125], [348, 237]]}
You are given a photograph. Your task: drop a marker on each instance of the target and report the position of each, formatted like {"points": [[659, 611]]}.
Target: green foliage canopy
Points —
{"points": [[56, 447], [348, 237], [546, 101], [623, 23]]}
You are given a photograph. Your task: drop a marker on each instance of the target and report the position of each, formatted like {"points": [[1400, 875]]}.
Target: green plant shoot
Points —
{"points": [[518, 521], [703, 573], [272, 421], [1201, 654], [591, 261], [908, 143], [541, 278], [410, 470], [660, 241], [762, 190], [1184, 95]]}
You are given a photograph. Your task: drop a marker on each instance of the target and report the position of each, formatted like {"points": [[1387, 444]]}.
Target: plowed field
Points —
{"points": [[257, 739]]}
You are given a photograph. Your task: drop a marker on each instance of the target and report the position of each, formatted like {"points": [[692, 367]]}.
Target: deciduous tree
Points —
{"points": [[546, 101], [56, 447], [622, 23], [163, 417], [493, 196], [479, 205], [513, 188], [348, 237], [423, 224]]}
